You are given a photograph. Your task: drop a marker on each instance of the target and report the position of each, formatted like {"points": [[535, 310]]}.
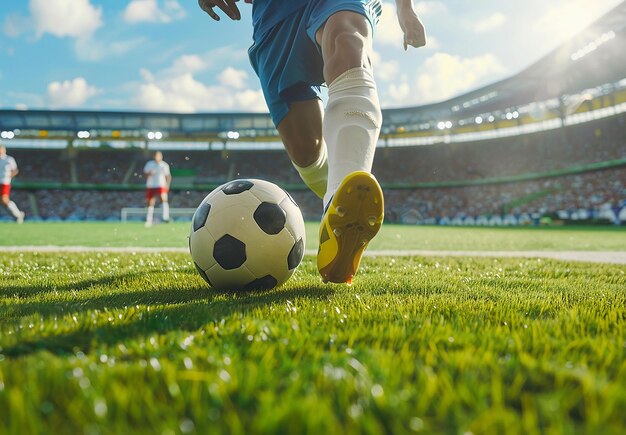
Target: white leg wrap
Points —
{"points": [[13, 209], [351, 126], [316, 174], [166, 211], [149, 215]]}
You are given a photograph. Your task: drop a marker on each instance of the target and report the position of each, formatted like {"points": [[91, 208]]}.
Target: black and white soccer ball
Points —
{"points": [[247, 234]]}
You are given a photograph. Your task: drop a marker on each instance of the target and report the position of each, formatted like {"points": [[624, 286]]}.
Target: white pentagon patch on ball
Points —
{"points": [[247, 234]]}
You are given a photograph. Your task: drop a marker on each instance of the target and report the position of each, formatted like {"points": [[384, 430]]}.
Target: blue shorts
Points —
{"points": [[288, 59]]}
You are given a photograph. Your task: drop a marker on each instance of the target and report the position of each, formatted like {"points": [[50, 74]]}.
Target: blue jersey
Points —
{"points": [[266, 13]]}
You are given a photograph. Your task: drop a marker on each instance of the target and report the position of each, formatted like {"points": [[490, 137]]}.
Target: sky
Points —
{"points": [[168, 56]]}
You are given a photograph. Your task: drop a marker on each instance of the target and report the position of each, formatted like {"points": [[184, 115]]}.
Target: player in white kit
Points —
{"points": [[158, 180], [8, 170]]}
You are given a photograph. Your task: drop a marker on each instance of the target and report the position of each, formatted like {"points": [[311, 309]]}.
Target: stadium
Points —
{"points": [[547, 142], [494, 302]]}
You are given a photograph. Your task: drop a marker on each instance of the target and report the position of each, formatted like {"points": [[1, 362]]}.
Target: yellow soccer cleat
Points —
{"points": [[352, 219]]}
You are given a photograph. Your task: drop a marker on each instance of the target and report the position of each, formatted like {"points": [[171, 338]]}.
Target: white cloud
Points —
{"points": [[440, 77], [444, 75], [388, 30], [385, 71], [560, 20], [430, 8], [250, 100], [177, 87], [77, 19], [489, 23], [399, 92], [187, 63], [186, 94], [152, 11], [432, 43], [195, 63], [74, 18], [233, 78], [70, 93]]}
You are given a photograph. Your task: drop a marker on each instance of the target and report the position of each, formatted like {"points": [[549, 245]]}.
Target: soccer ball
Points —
{"points": [[247, 235]]}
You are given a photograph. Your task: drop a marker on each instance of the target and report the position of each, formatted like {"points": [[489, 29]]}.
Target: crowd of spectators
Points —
{"points": [[42, 164], [400, 166], [564, 196], [532, 153], [103, 166], [584, 194]]}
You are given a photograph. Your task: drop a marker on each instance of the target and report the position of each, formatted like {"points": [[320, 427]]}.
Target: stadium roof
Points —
{"points": [[595, 57]]}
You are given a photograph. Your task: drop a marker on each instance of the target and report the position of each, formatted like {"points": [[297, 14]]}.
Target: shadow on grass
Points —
{"points": [[171, 309], [112, 281]]}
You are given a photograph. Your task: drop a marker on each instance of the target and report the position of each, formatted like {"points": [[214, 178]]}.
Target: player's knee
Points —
{"points": [[348, 45], [304, 151], [302, 139], [5, 200]]}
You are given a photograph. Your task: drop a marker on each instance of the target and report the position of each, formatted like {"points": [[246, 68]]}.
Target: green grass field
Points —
{"points": [[399, 237], [116, 343]]}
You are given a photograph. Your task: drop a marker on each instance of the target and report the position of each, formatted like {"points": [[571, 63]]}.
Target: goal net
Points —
{"points": [[139, 214]]}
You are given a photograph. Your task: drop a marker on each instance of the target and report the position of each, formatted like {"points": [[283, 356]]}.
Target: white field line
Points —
{"points": [[613, 257]]}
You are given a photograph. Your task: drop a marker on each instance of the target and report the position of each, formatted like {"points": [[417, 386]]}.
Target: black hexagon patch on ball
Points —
{"points": [[271, 218], [291, 198], [295, 255], [229, 252], [237, 186], [202, 273], [201, 215]]}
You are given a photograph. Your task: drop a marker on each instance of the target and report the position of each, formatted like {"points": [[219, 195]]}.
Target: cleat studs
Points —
{"points": [[337, 232], [341, 211], [371, 220]]}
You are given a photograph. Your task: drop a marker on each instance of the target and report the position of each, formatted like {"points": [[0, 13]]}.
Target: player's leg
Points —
{"points": [[301, 133], [10, 205], [166, 206], [354, 200], [151, 199], [353, 117], [289, 67]]}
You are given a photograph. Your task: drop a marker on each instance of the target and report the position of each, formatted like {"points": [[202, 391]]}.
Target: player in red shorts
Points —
{"points": [[158, 180], [8, 170]]}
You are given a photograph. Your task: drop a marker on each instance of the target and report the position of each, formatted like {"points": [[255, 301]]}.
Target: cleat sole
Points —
{"points": [[359, 221]]}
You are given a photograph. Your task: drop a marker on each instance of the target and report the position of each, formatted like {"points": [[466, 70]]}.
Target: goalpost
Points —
{"points": [[139, 213]]}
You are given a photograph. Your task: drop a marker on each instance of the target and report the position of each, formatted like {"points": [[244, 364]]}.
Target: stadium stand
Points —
{"points": [[602, 141], [563, 194]]}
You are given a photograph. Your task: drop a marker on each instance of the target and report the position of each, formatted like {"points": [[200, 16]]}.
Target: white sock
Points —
{"points": [[14, 210], [149, 214], [166, 211], [351, 126], [316, 174]]}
